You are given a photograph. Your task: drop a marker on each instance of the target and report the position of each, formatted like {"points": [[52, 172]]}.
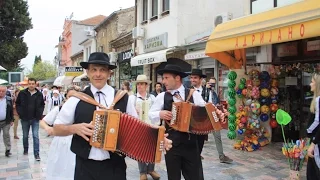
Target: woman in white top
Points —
{"points": [[61, 161], [54, 101], [46, 96]]}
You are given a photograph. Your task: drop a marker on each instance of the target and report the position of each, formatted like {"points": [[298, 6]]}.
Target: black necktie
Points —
{"points": [[99, 92]]}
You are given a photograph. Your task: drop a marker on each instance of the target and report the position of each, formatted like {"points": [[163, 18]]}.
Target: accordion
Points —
{"points": [[187, 117], [116, 131]]}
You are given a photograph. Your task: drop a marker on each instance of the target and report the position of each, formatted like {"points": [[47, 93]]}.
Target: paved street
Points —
{"points": [[266, 164]]}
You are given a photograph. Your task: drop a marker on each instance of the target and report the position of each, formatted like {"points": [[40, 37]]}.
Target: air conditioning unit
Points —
{"points": [[221, 18], [137, 33], [90, 33], [113, 56]]}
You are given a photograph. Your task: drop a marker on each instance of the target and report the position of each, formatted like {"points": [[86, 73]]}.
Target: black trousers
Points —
{"points": [[113, 168], [184, 158], [313, 172], [201, 139]]}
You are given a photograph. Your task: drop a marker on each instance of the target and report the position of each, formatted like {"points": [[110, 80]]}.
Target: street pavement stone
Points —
{"points": [[265, 164]]}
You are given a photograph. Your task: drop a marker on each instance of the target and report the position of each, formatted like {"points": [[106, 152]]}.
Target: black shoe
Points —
{"points": [[8, 153], [37, 157], [25, 152]]}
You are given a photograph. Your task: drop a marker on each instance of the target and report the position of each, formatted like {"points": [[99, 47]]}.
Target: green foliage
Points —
{"points": [[37, 59], [43, 70], [14, 22]]}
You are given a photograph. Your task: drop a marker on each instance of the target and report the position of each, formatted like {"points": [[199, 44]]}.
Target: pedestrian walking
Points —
{"points": [[6, 118], [30, 107], [15, 114]]}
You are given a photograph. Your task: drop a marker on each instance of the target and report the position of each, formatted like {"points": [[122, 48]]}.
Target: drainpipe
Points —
{"points": [[135, 24]]}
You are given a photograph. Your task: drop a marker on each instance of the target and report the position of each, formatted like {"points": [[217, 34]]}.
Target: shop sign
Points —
{"points": [[73, 71], [287, 49], [156, 43], [125, 55], [313, 45], [195, 55]]}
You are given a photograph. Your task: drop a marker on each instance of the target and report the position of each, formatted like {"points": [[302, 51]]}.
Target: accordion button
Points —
{"points": [[112, 130]]}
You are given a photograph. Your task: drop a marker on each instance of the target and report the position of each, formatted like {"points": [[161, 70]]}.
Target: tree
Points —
{"points": [[43, 70], [36, 60], [14, 22]]}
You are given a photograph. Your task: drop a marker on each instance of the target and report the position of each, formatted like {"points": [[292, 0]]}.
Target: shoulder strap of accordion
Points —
{"points": [[190, 94], [118, 96], [86, 98]]}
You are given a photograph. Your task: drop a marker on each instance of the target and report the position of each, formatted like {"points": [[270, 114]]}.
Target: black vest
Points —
{"points": [[83, 114], [176, 136]]}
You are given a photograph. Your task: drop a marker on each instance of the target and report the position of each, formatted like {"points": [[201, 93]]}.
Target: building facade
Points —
{"points": [[110, 34]]}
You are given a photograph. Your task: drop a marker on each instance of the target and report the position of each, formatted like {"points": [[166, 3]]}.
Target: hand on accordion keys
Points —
{"points": [[84, 130], [166, 115]]}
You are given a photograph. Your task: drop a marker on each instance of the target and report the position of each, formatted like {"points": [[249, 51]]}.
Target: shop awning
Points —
{"points": [[63, 81], [78, 78], [150, 58], [289, 23], [2, 68]]}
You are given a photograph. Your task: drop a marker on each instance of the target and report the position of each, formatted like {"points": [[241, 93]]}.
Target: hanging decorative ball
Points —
{"points": [[232, 101], [243, 119], [248, 102], [274, 91], [244, 92], [232, 118], [273, 107], [264, 117], [265, 92], [240, 96], [264, 75], [274, 99], [265, 109], [232, 135], [241, 86], [265, 101], [273, 115], [231, 84], [240, 131], [231, 92], [273, 123], [243, 81], [264, 84], [274, 83], [232, 75], [239, 91], [256, 82], [249, 84], [232, 109], [232, 127]]}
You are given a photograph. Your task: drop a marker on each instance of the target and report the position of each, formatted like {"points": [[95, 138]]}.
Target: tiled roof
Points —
{"points": [[93, 20]]}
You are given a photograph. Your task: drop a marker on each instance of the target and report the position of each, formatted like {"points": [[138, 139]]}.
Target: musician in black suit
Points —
{"points": [[184, 157], [209, 94]]}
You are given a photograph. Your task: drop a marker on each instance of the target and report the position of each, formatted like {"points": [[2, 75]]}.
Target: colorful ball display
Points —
{"points": [[232, 118], [241, 86]]}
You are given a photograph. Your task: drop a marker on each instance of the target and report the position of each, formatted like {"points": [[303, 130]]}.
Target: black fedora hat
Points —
{"points": [[98, 58], [198, 72], [174, 69]]}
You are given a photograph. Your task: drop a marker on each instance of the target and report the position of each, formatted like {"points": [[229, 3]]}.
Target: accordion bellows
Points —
{"points": [[116, 131], [189, 118]]}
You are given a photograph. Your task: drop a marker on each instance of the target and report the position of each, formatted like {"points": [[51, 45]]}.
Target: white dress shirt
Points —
{"points": [[137, 100], [66, 115], [154, 112], [200, 89]]}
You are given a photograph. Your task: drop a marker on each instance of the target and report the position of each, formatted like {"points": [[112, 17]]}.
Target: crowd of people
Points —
{"points": [[68, 120]]}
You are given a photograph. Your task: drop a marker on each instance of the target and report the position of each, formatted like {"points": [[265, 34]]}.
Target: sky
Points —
{"points": [[48, 19]]}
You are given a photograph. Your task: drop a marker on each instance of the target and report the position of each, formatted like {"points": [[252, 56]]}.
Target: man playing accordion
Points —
{"points": [[184, 157]]}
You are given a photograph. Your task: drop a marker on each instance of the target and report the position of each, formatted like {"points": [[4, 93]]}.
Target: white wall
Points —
{"points": [[187, 18], [78, 35], [90, 43]]}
